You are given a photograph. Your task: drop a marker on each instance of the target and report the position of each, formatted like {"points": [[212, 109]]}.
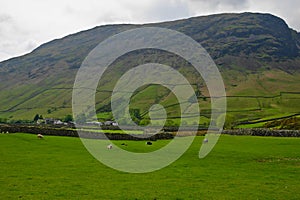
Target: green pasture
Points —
{"points": [[239, 167]]}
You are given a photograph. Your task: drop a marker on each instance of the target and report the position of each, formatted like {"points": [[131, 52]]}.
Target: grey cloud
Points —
{"points": [[21, 30], [166, 10], [14, 40], [213, 4], [238, 4], [5, 18]]}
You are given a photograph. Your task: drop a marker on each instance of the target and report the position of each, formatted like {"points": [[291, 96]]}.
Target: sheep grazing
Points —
{"points": [[40, 136], [205, 141], [148, 143], [109, 146]]}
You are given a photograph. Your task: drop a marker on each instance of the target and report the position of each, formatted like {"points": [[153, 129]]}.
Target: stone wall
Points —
{"points": [[59, 131]]}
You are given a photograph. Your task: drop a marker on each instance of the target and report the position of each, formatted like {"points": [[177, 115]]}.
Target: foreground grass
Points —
{"points": [[238, 168]]}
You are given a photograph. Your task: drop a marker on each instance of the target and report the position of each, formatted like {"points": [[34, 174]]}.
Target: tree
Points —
{"points": [[144, 122], [198, 93], [36, 117], [68, 118], [135, 115]]}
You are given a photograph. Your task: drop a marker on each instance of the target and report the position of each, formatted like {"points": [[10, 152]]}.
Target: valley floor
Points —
{"points": [[239, 167]]}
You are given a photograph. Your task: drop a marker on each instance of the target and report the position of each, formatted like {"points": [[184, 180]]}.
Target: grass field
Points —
{"points": [[239, 167]]}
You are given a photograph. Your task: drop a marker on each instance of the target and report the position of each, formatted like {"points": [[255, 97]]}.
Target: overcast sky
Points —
{"points": [[26, 24]]}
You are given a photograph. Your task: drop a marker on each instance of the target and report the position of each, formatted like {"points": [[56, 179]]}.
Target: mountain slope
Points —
{"points": [[257, 54]]}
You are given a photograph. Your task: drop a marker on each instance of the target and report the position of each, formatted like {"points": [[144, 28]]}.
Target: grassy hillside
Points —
{"points": [[257, 54]]}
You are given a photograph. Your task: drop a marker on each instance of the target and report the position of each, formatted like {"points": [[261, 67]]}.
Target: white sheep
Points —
{"points": [[109, 146], [40, 136], [205, 141]]}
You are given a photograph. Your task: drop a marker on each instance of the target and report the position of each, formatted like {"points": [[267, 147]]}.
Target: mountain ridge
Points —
{"points": [[217, 17], [250, 49]]}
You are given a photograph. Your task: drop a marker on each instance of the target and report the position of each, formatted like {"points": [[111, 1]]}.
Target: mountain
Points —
{"points": [[257, 54]]}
